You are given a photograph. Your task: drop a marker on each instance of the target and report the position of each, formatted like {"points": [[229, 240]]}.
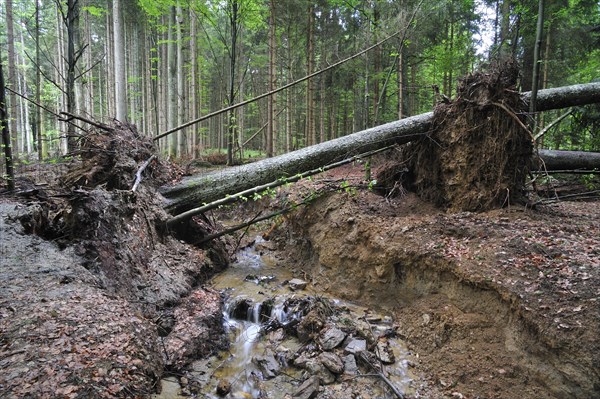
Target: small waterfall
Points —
{"points": [[247, 320]]}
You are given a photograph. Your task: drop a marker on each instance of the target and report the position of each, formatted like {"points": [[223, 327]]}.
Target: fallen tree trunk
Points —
{"points": [[197, 190], [568, 160]]}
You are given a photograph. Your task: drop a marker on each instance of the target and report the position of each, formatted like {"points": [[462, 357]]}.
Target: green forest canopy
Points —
{"points": [[185, 58]]}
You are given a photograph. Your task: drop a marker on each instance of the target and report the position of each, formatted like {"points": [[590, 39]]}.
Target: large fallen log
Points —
{"points": [[197, 190], [568, 160]]}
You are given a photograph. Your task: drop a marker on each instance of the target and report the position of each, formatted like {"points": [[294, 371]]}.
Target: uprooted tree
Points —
{"points": [[473, 153]]}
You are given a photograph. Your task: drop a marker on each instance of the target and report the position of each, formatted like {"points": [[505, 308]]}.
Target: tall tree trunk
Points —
{"points": [[38, 86], [109, 83], [6, 141], [88, 83], [311, 136], [376, 64], [288, 95], [272, 81], [231, 123], [73, 54], [545, 78], [504, 50], [400, 77], [25, 125], [171, 92], [181, 135], [59, 75], [194, 83], [119, 60], [12, 75], [536, 64]]}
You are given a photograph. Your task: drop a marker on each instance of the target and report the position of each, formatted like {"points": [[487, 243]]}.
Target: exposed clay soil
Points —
{"points": [[499, 304]]}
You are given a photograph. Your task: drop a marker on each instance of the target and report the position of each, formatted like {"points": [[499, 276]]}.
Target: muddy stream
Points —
{"points": [[267, 359]]}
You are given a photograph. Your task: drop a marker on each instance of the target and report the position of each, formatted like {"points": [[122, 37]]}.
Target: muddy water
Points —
{"points": [[260, 283]]}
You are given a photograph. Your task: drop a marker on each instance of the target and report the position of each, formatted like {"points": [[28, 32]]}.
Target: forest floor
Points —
{"points": [[497, 304]]}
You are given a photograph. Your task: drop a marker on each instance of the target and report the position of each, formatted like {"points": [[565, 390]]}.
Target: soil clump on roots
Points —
{"points": [[478, 154], [110, 299]]}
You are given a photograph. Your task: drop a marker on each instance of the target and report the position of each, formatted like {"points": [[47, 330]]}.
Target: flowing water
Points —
{"points": [[256, 291]]}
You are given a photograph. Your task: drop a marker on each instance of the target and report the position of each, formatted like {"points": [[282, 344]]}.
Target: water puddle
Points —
{"points": [[271, 354]]}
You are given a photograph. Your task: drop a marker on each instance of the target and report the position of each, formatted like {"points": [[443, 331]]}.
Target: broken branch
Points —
{"points": [[81, 118], [138, 175]]}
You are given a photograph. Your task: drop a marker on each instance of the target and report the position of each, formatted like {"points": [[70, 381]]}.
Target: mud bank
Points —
{"points": [[500, 304], [97, 297]]}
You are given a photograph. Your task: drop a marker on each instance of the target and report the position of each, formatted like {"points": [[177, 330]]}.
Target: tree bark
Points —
{"points": [[568, 160], [119, 57], [6, 142], [182, 134], [311, 134], [12, 76], [73, 53], [536, 66], [196, 190], [38, 89], [272, 81], [234, 24]]}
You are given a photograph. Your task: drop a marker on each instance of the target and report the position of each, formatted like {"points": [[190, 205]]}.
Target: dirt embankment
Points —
{"points": [[501, 304], [110, 299]]}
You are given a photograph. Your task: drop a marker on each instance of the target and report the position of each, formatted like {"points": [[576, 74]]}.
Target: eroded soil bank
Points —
{"points": [[97, 298], [501, 304]]}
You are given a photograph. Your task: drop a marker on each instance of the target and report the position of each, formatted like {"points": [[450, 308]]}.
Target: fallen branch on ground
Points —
{"points": [[362, 356]]}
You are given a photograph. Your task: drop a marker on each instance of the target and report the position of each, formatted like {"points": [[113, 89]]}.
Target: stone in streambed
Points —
{"points": [[331, 338], [332, 362], [309, 389], [296, 284], [356, 346], [267, 364]]}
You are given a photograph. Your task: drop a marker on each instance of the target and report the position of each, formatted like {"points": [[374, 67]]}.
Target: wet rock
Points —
{"points": [[267, 364], [301, 360], [296, 284], [331, 338], [364, 329], [332, 362], [350, 366], [223, 387], [315, 367], [309, 389], [258, 279], [277, 335], [283, 355], [384, 353], [355, 346]]}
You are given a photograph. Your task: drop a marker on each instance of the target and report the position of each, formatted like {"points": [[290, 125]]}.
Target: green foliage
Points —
{"points": [[94, 11], [347, 188], [591, 181], [156, 8]]}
